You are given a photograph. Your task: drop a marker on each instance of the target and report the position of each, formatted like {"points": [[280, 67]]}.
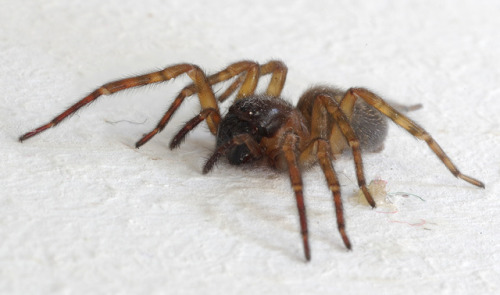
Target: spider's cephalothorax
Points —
{"points": [[253, 119], [325, 122]]}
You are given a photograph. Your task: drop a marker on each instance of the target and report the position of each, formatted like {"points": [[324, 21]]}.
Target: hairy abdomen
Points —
{"points": [[369, 125]]}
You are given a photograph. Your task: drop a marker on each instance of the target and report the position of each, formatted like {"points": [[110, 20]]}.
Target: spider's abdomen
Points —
{"points": [[369, 125], [258, 116]]}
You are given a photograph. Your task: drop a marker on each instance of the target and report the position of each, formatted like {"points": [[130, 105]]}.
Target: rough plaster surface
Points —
{"points": [[84, 212]]}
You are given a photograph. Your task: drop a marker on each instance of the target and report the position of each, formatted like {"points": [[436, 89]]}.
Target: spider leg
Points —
{"points": [[289, 148], [245, 82], [327, 103], [207, 98], [410, 126], [251, 74], [192, 89], [319, 148], [325, 161], [190, 125], [249, 84], [278, 77], [186, 92], [278, 70], [232, 88], [227, 73], [371, 138]]}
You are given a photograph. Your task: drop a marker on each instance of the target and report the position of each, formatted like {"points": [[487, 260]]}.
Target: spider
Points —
{"points": [[326, 122]]}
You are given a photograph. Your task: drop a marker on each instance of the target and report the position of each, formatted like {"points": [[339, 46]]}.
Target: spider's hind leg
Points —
{"points": [[371, 126], [413, 128]]}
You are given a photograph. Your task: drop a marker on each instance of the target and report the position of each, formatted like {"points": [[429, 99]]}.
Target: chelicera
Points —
{"points": [[326, 122]]}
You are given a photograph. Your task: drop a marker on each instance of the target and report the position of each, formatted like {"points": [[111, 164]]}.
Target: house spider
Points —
{"points": [[325, 122]]}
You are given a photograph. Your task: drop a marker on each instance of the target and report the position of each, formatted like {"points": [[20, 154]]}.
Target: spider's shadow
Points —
{"points": [[266, 215]]}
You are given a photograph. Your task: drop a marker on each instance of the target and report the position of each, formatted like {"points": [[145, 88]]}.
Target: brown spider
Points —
{"points": [[325, 122]]}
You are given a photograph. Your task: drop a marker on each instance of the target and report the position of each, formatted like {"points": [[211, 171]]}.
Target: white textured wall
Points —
{"points": [[84, 212]]}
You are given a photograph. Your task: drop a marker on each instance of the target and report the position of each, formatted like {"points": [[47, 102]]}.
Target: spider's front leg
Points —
{"points": [[247, 75], [205, 93]]}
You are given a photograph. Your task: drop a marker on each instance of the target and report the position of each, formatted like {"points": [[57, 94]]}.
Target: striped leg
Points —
{"points": [[205, 93], [247, 72], [410, 126]]}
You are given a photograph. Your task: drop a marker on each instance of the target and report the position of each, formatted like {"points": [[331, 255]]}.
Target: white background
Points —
{"points": [[84, 212]]}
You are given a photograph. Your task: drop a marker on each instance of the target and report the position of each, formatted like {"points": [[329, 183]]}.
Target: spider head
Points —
{"points": [[256, 116]]}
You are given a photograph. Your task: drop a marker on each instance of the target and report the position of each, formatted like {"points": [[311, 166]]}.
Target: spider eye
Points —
{"points": [[253, 113]]}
